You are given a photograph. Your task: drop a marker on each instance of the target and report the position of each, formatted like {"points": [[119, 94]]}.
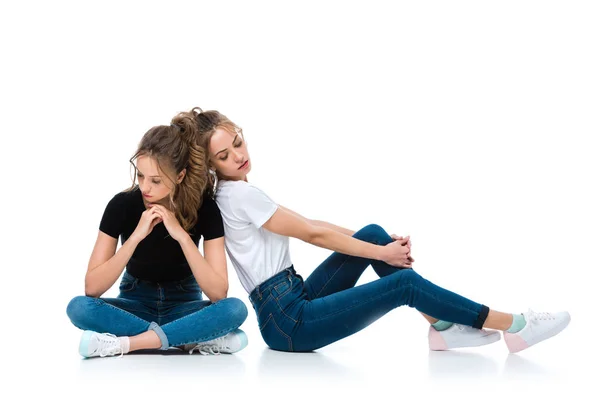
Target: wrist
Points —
{"points": [[134, 240], [184, 238], [379, 252]]}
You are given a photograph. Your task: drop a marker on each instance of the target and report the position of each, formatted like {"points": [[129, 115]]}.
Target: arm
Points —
{"points": [[210, 271], [287, 223], [323, 224], [105, 266], [345, 231]]}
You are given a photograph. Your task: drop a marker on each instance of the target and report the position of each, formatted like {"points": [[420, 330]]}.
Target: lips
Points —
{"points": [[244, 165]]}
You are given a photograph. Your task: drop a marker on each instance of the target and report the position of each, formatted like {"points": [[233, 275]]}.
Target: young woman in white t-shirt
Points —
{"points": [[303, 315]]}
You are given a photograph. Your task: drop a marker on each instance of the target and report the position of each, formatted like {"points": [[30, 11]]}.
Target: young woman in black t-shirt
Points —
{"points": [[160, 221]]}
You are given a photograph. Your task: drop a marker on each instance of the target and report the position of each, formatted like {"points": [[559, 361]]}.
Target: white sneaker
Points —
{"points": [[232, 342], [94, 344], [538, 326], [460, 336]]}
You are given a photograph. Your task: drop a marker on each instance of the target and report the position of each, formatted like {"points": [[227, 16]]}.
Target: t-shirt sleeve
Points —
{"points": [[113, 218], [253, 205], [211, 220]]}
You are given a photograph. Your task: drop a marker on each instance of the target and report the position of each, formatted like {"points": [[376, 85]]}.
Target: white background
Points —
{"points": [[470, 125]]}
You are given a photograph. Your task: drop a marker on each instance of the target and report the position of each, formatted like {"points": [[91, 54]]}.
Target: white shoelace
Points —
{"points": [[212, 347], [539, 315], [109, 345]]}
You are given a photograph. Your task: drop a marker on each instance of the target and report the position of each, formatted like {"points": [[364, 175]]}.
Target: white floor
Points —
{"points": [[471, 126], [389, 358]]}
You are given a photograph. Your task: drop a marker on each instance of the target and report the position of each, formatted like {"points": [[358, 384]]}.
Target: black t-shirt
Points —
{"points": [[158, 257]]}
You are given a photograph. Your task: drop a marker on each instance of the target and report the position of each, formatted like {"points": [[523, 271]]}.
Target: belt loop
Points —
{"points": [[259, 292]]}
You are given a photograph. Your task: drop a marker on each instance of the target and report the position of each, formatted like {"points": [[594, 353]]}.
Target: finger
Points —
{"points": [[160, 207], [159, 212], [156, 215]]}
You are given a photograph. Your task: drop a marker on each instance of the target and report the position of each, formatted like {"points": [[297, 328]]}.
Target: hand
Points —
{"points": [[408, 244], [396, 254], [171, 223], [149, 219]]}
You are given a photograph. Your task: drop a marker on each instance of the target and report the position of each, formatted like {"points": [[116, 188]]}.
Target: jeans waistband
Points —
{"points": [[257, 294], [187, 280]]}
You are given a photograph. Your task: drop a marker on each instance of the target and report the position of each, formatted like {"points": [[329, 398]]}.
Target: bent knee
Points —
{"points": [[373, 233], [236, 309], [78, 308], [409, 275]]}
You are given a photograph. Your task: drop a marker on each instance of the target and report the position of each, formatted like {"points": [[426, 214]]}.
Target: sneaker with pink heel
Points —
{"points": [[539, 326]]}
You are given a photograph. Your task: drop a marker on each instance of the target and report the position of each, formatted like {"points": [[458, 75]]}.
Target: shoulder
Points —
{"points": [[124, 198], [242, 190], [209, 205]]}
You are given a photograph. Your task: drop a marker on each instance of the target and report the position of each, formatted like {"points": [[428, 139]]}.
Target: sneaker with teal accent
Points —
{"points": [[94, 344], [231, 343], [539, 326]]}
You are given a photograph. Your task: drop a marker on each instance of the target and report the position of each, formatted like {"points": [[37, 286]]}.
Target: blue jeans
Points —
{"points": [[174, 310], [294, 315]]}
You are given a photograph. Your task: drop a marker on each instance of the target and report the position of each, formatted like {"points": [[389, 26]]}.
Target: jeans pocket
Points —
{"points": [[128, 283], [190, 287], [274, 337], [281, 289]]}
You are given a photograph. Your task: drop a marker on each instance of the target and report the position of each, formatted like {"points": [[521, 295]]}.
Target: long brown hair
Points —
{"points": [[207, 122], [174, 148]]}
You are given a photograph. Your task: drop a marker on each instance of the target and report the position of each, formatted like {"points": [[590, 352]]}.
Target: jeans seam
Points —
{"points": [[289, 339], [403, 287], [210, 337], [332, 276], [218, 334], [283, 312], [268, 298], [104, 303]]}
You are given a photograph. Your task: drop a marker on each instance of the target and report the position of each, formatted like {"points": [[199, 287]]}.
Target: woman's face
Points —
{"points": [[229, 155], [154, 184]]}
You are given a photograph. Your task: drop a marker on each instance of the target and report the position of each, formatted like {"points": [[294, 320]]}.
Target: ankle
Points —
{"points": [[442, 325]]}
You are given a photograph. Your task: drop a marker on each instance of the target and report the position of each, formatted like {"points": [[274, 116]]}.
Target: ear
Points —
{"points": [[181, 175]]}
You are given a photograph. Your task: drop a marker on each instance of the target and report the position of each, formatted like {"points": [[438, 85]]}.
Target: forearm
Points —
{"points": [[336, 228], [212, 284], [342, 243], [100, 278]]}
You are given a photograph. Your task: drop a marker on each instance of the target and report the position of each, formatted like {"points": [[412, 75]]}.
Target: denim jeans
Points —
{"points": [[294, 315], [174, 310]]}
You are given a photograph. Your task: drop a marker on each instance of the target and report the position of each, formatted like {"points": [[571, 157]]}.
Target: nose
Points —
{"points": [[238, 156], [143, 188]]}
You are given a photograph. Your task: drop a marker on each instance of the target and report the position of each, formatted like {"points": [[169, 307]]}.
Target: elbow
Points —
{"points": [[91, 290], [314, 235], [217, 296]]}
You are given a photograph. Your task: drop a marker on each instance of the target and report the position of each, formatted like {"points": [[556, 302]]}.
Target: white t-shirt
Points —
{"points": [[256, 253]]}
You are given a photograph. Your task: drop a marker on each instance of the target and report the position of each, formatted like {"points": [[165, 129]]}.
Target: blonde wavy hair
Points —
{"points": [[207, 122], [175, 148]]}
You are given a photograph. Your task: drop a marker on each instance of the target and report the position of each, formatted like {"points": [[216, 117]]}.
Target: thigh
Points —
{"points": [[120, 317], [341, 271], [327, 319], [181, 309], [139, 308], [209, 322]]}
